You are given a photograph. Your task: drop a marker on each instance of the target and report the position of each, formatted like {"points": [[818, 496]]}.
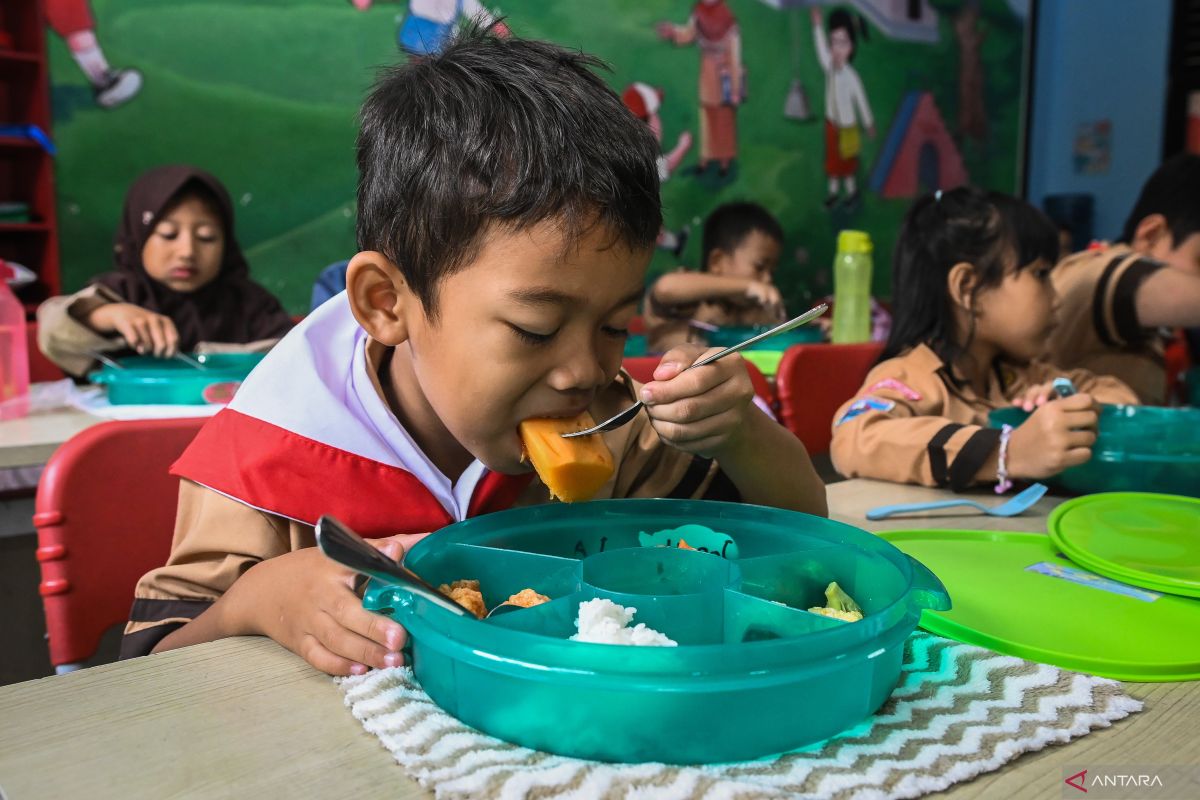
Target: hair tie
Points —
{"points": [[937, 196]]}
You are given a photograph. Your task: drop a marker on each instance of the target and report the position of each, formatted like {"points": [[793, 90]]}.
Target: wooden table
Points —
{"points": [[244, 717], [30, 441]]}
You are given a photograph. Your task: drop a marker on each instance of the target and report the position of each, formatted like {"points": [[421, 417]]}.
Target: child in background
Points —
{"points": [[494, 286], [973, 307], [739, 253], [1113, 298], [181, 283]]}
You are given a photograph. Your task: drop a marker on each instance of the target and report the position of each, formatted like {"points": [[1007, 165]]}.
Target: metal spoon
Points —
{"points": [[348, 549], [631, 412], [105, 360], [191, 362]]}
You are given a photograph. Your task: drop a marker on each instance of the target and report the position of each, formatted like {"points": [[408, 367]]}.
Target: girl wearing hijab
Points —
{"points": [[181, 283]]}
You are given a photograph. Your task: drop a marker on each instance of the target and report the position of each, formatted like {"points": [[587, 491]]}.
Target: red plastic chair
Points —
{"points": [[40, 368], [641, 368], [105, 515], [814, 380]]}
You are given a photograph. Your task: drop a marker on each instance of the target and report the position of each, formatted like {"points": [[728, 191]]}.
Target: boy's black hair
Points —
{"points": [[840, 18], [498, 132], [729, 225], [994, 232], [1173, 191]]}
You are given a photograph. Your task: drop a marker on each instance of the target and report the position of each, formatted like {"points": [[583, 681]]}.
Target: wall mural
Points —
{"points": [[833, 115]]}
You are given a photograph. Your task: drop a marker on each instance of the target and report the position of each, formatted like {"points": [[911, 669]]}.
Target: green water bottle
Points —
{"points": [[852, 288]]}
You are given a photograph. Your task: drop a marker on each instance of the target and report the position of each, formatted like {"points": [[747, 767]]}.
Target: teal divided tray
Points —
{"points": [[754, 673], [160, 381]]}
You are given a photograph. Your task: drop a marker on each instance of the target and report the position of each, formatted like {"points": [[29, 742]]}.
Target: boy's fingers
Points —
{"points": [[348, 614], [697, 407], [696, 382], [676, 360], [355, 646], [328, 662], [692, 432]]}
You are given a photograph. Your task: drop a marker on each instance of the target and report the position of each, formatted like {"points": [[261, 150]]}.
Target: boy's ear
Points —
{"points": [[1149, 232], [379, 297], [960, 283], [717, 259]]}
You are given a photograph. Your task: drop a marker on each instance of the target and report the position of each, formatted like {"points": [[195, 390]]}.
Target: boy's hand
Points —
{"points": [[699, 411], [1058, 435], [766, 295], [307, 603], [143, 330]]}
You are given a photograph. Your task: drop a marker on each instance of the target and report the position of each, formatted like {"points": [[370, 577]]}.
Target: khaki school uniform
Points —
{"points": [[217, 538], [913, 422], [66, 340], [1098, 327]]}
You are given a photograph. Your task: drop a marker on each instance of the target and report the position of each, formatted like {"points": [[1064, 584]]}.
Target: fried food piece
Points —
{"points": [[526, 598], [466, 593], [683, 545], [838, 605]]}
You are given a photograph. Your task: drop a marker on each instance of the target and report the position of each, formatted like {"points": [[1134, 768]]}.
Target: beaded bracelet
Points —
{"points": [[1003, 484]]}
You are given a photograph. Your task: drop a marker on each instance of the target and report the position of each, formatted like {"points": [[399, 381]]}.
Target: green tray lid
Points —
{"points": [[1147, 540], [1013, 593]]}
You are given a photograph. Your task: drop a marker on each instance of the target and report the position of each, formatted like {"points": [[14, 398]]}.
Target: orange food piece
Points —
{"points": [[572, 469], [683, 545], [467, 594], [526, 598]]}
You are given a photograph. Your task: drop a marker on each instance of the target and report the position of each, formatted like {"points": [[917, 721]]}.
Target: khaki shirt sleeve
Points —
{"points": [[65, 339], [216, 540], [906, 427]]}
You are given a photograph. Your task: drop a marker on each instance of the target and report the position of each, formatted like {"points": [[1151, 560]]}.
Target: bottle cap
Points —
{"points": [[854, 242]]}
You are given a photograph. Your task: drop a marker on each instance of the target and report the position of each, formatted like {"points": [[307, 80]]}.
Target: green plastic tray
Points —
{"points": [[1148, 540], [160, 381], [1138, 449], [776, 677], [1015, 594]]}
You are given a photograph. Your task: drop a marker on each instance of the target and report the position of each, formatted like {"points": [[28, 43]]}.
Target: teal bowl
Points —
{"points": [[1193, 386], [1138, 449], [754, 673], [146, 380]]}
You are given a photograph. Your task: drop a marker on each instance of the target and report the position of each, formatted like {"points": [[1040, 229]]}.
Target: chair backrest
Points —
{"points": [[814, 380], [40, 368], [105, 515], [641, 368]]}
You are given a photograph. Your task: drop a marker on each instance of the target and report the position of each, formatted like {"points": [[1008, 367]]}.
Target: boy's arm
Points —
{"points": [[685, 288], [217, 539], [1169, 298], [770, 466], [709, 413], [819, 42]]}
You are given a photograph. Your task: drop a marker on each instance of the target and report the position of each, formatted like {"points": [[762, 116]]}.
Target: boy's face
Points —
{"points": [[754, 259], [526, 330]]}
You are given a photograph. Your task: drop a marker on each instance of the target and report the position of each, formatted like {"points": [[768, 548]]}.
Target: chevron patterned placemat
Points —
{"points": [[957, 712]]}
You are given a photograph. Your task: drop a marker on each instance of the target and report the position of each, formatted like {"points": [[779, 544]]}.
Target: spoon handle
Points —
{"points": [[348, 549], [796, 322]]}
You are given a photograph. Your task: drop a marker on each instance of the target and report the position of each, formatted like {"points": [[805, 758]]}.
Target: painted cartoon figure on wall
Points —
{"points": [[429, 23], [847, 111], [644, 101], [714, 29], [74, 22]]}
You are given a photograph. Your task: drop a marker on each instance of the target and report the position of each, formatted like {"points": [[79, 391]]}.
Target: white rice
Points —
{"points": [[601, 621]]}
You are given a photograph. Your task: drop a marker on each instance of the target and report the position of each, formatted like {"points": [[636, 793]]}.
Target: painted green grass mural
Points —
{"points": [[264, 93]]}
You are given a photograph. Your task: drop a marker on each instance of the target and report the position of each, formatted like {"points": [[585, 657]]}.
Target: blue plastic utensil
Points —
{"points": [[1010, 508]]}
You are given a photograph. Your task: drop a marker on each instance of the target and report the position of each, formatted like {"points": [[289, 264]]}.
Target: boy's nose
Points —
{"points": [[583, 372]]}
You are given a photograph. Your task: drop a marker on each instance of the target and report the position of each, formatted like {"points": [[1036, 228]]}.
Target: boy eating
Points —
{"points": [[508, 207]]}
